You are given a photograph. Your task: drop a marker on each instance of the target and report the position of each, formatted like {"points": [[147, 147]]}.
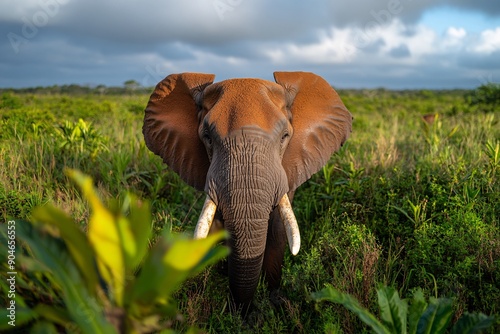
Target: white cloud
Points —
{"points": [[397, 50], [333, 46], [420, 40], [394, 43], [456, 33], [454, 40], [489, 41], [344, 45]]}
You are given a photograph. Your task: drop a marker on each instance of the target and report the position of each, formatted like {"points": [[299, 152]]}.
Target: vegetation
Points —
{"points": [[94, 274], [411, 202], [397, 318], [130, 87]]}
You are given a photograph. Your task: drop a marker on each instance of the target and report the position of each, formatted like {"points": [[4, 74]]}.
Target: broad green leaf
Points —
{"points": [[194, 330], [135, 229], [141, 226], [417, 308], [104, 235], [63, 272], [333, 295], [436, 317], [75, 240], [213, 256], [127, 241], [43, 327], [472, 323], [186, 254], [125, 231], [170, 263], [393, 310], [53, 314]]}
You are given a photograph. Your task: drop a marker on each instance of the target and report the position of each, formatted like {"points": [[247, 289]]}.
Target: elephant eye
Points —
{"points": [[285, 136], [207, 139]]}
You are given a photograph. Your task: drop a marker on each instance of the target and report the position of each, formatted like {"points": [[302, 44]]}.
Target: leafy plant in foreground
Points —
{"points": [[397, 317], [96, 272]]}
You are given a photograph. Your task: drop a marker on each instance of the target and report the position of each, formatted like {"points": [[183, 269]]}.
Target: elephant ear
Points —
{"points": [[171, 125], [321, 124]]}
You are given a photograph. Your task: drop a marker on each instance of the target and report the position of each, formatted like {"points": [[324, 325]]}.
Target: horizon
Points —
{"points": [[142, 88]]}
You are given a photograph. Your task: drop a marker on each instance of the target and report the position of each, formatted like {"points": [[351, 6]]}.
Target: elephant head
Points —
{"points": [[248, 143]]}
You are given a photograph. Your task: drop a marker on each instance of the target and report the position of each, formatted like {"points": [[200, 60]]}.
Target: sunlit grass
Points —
{"points": [[406, 202]]}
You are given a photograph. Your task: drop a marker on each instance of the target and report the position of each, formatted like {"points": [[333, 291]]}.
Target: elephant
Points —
{"points": [[248, 143]]}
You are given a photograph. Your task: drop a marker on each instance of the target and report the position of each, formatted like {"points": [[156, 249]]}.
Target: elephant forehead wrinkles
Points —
{"points": [[244, 102]]}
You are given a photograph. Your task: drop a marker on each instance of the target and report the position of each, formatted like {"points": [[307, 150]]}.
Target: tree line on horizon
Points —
{"points": [[128, 87]]}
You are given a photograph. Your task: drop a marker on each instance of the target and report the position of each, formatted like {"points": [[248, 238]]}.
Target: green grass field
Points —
{"points": [[410, 201]]}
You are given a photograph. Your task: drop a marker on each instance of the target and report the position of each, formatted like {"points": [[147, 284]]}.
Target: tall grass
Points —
{"points": [[410, 201]]}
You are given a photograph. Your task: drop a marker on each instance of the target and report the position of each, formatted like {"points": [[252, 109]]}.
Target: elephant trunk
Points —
{"points": [[244, 269], [246, 204], [252, 184]]}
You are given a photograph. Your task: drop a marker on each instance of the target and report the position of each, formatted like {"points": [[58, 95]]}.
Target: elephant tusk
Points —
{"points": [[206, 218], [290, 222]]}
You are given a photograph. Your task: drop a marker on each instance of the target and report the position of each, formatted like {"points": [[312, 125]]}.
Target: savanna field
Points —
{"points": [[411, 201]]}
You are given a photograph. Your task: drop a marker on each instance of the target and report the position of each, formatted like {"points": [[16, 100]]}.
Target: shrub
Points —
{"points": [[107, 280], [10, 101], [397, 317], [81, 137], [485, 98]]}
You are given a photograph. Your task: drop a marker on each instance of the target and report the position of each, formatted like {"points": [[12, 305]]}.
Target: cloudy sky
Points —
{"points": [[353, 44]]}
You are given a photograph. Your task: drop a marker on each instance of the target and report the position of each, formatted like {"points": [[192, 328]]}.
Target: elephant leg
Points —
{"points": [[275, 249]]}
